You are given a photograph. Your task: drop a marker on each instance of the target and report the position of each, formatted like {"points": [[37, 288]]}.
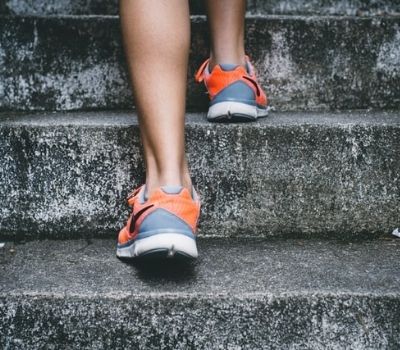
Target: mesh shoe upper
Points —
{"points": [[219, 80], [164, 211]]}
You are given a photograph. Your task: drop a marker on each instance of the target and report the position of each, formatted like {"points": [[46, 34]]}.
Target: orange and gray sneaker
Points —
{"points": [[235, 95], [163, 225]]}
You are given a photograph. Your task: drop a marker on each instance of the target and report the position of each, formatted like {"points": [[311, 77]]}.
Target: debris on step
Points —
{"points": [[396, 232]]}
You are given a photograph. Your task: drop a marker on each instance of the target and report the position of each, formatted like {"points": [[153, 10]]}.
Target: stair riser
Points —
{"points": [[271, 179], [311, 64], [213, 322], [290, 7]]}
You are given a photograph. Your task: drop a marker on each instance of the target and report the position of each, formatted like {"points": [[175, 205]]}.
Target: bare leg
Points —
{"points": [[226, 22], [156, 35]]}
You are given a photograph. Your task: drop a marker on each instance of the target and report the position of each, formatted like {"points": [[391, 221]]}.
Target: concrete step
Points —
{"points": [[305, 63], [289, 175], [241, 294], [285, 7]]}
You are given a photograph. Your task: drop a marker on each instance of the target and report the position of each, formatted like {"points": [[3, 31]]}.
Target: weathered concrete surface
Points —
{"points": [[241, 294], [286, 7], [316, 63], [290, 175], [325, 7]]}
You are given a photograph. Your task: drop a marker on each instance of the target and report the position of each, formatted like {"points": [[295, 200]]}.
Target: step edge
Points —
{"points": [[312, 294], [203, 18], [126, 118]]}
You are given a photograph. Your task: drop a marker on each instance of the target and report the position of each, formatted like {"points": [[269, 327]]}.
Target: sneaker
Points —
{"points": [[235, 95], [163, 225]]}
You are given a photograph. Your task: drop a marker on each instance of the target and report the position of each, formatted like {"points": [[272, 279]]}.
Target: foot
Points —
{"points": [[235, 95], [163, 225]]}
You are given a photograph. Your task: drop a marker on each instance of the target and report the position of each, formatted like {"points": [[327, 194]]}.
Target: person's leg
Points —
{"points": [[156, 37], [235, 95], [163, 221], [226, 23]]}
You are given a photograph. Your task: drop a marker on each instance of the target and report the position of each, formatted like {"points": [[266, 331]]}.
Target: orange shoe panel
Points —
{"points": [[182, 205]]}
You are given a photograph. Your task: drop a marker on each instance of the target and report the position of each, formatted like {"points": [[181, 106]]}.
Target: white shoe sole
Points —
{"points": [[170, 244], [235, 111]]}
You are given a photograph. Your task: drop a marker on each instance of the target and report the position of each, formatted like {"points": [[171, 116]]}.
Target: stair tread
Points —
{"points": [[226, 268]]}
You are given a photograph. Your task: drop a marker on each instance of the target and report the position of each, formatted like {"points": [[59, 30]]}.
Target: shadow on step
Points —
{"points": [[173, 270]]}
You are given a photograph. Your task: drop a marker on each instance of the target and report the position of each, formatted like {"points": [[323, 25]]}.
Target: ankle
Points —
{"points": [[233, 58], [155, 181]]}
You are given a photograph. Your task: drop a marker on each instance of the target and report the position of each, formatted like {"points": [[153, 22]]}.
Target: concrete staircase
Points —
{"points": [[295, 243]]}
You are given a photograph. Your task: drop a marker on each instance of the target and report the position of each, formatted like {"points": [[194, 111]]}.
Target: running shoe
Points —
{"points": [[235, 95], [163, 225]]}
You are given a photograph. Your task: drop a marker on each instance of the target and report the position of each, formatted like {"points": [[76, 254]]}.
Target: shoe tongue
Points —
{"points": [[228, 67], [172, 189]]}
